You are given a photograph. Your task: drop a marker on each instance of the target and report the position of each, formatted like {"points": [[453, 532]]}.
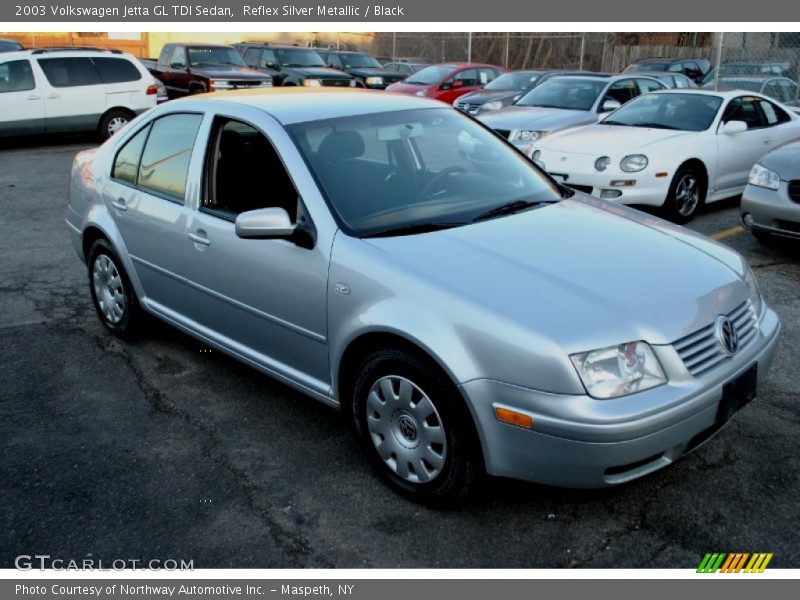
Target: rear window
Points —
{"points": [[116, 70], [69, 72], [16, 76], [165, 160]]}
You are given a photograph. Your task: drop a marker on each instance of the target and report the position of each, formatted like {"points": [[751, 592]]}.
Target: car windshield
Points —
{"points": [[641, 67], [572, 94], [9, 45], [751, 85], [359, 61], [513, 81], [430, 75], [212, 57], [683, 112], [408, 171], [295, 57]]}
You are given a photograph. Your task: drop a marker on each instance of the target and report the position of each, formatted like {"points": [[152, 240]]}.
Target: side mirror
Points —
{"points": [[273, 66], [609, 105], [732, 127], [446, 85], [265, 224], [177, 66]]}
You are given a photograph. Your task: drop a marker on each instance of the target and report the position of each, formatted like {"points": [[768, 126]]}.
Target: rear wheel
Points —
{"points": [[112, 292], [112, 122], [685, 196], [414, 427]]}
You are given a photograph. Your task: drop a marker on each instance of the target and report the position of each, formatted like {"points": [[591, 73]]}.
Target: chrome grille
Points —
{"points": [[701, 350], [247, 83], [471, 108], [336, 82]]}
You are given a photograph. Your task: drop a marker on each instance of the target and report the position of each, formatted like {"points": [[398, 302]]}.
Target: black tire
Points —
{"points": [[130, 318], [676, 207], [112, 122], [462, 465], [763, 237], [196, 90]]}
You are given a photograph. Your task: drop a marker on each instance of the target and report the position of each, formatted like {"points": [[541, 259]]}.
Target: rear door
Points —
{"points": [[124, 83], [146, 197], [21, 99], [74, 96]]}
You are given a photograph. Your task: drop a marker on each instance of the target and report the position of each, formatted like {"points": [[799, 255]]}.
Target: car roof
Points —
{"points": [[291, 105], [725, 94], [665, 59], [63, 52], [750, 77]]}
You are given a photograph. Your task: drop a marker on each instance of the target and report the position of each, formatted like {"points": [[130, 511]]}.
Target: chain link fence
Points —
{"points": [[766, 62]]}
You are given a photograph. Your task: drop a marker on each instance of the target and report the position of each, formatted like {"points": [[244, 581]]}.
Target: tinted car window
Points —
{"points": [[681, 82], [429, 75], [646, 85], [513, 81], [9, 45], [675, 68], [788, 91], [683, 112], [69, 72], [573, 94], [116, 70], [16, 76], [332, 60], [126, 164], [253, 56], [178, 59], [468, 77], [745, 108], [165, 160], [211, 56], [298, 57], [622, 91]]}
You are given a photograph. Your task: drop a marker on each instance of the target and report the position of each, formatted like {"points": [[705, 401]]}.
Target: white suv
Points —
{"points": [[52, 90]]}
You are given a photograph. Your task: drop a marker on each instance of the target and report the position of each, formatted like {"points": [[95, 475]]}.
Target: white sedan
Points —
{"points": [[672, 148]]}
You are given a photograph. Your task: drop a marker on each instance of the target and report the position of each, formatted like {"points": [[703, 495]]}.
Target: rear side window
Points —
{"points": [[116, 70], [165, 160], [126, 164], [646, 85], [69, 72], [16, 76]]}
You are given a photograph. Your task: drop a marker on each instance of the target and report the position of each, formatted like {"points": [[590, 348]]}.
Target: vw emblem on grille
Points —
{"points": [[727, 335]]}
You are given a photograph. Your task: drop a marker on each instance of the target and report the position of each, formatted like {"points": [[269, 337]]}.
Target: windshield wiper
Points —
{"points": [[510, 208], [417, 228], [613, 122], [656, 126]]}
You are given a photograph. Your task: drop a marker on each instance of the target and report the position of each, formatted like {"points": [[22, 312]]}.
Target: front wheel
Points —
{"points": [[685, 195], [414, 427], [112, 122]]}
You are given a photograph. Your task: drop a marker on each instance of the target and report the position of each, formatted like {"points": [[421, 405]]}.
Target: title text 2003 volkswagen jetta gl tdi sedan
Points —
{"points": [[390, 256]]}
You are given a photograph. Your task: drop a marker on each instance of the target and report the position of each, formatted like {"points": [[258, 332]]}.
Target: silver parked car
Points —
{"points": [[771, 201], [562, 103], [388, 256]]}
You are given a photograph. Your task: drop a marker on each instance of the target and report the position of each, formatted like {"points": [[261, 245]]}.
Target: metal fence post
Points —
{"points": [[720, 41], [583, 48], [469, 47], [394, 46], [508, 48]]}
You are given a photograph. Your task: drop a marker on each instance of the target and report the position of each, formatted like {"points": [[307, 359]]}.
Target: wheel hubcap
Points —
{"points": [[406, 429], [108, 289], [115, 124], [687, 195]]}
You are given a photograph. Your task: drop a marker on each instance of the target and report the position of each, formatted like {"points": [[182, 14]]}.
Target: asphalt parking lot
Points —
{"points": [[160, 448]]}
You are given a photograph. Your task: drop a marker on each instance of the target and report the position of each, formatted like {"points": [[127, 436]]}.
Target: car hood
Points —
{"points": [[611, 139], [784, 160], [487, 96], [584, 272], [407, 88], [319, 72], [229, 72], [376, 72], [536, 118]]}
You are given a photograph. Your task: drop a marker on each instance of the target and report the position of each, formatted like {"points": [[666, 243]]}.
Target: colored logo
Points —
{"points": [[736, 562]]}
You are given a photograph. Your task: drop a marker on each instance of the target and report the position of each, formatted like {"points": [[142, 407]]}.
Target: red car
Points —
{"points": [[448, 81]]}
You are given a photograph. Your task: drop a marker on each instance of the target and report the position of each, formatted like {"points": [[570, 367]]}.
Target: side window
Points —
{"points": [[268, 59], [178, 58], [69, 72], [773, 115], [622, 91], [333, 60], [240, 159], [788, 90], [467, 77], [126, 163], [116, 70], [772, 90], [681, 82], [486, 75], [16, 76], [252, 57], [675, 68], [744, 109], [646, 85], [165, 160]]}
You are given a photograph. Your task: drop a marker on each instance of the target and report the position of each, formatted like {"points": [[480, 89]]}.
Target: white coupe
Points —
{"points": [[672, 148]]}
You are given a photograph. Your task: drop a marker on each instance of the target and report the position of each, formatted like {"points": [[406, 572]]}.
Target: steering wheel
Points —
{"points": [[440, 176]]}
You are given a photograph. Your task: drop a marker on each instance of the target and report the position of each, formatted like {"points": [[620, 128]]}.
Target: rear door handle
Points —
{"points": [[54, 96], [34, 97], [200, 238], [119, 204]]}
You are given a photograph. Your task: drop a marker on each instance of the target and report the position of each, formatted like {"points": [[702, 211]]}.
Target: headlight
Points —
{"points": [[493, 105], [525, 135], [602, 163], [374, 80], [619, 370], [312, 83], [219, 84], [266, 83], [763, 177], [536, 154], [421, 93], [753, 291], [633, 163]]}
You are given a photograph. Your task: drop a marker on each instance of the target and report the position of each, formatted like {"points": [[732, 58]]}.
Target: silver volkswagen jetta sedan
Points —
{"points": [[389, 256]]}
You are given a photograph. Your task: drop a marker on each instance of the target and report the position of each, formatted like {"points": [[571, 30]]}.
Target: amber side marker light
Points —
{"points": [[662, 174], [513, 417]]}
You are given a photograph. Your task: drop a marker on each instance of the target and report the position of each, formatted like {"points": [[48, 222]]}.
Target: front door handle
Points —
{"points": [[54, 96], [200, 238], [34, 97], [119, 204], [767, 142]]}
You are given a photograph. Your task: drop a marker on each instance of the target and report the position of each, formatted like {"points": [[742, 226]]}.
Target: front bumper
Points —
{"points": [[580, 442], [772, 210]]}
